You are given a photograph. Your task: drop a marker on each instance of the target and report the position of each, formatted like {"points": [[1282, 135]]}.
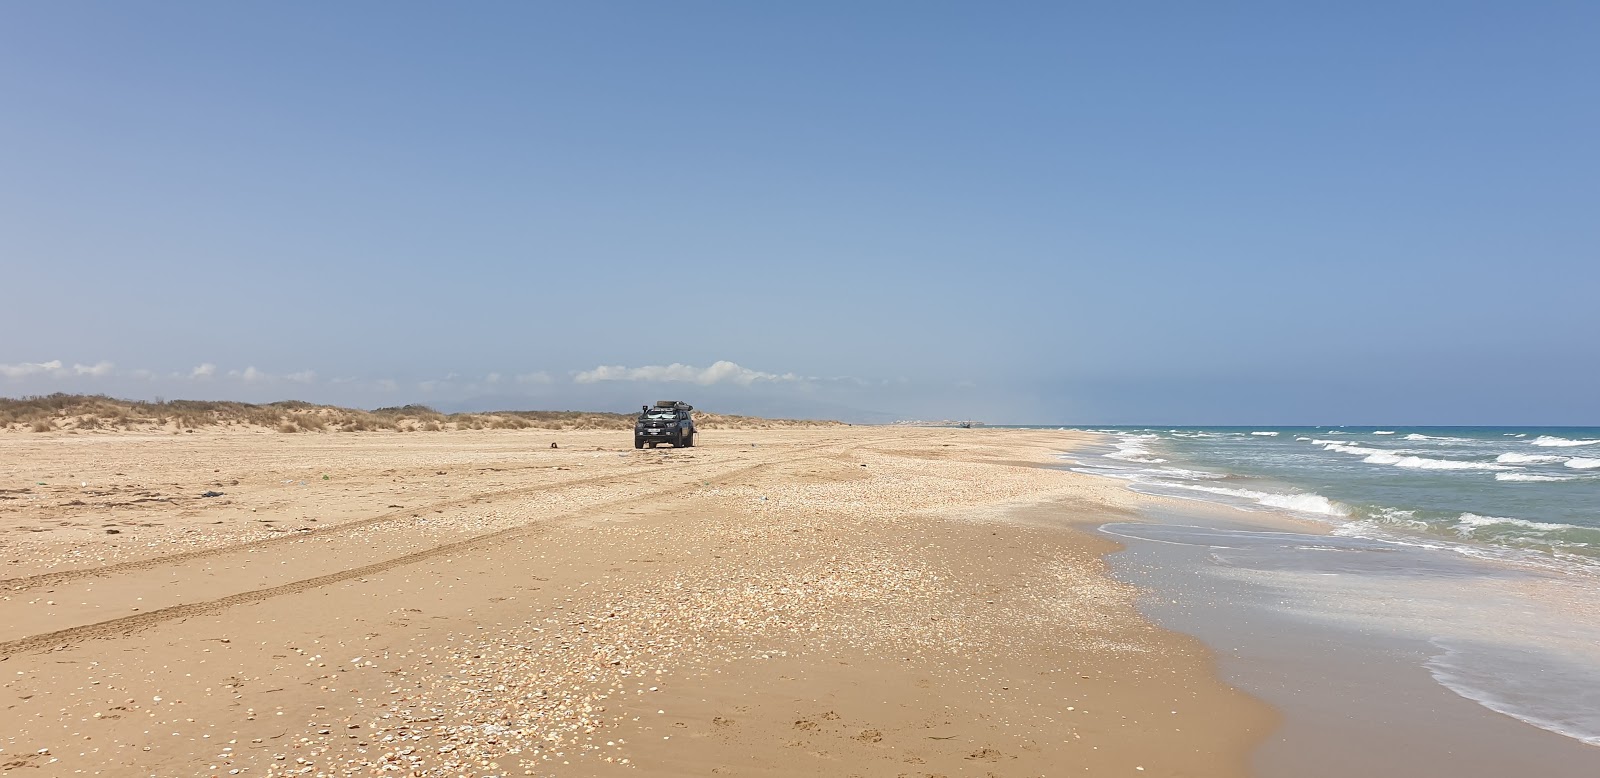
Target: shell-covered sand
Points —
{"points": [[832, 601]]}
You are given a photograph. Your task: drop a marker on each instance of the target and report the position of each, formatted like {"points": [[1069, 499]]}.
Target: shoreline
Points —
{"points": [[776, 602], [1383, 657]]}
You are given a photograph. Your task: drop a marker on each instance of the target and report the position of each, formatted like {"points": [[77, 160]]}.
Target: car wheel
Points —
{"points": [[638, 443], [690, 444]]}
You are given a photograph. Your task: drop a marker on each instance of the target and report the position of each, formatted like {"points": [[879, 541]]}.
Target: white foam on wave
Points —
{"points": [[1558, 699], [1406, 459], [1383, 432], [1468, 527], [1142, 458], [1303, 502], [1529, 477], [1346, 448], [1514, 458], [1471, 522], [1131, 449], [1554, 441], [1265, 434], [1445, 439], [1398, 516], [1583, 463], [1428, 463], [1198, 475]]}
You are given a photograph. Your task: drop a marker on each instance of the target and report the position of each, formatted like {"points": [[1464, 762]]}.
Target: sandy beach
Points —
{"points": [[833, 601]]}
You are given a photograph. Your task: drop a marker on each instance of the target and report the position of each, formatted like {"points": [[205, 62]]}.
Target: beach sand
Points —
{"points": [[835, 601]]}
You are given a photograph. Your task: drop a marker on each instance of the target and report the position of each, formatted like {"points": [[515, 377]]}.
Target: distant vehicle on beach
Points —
{"points": [[667, 422]]}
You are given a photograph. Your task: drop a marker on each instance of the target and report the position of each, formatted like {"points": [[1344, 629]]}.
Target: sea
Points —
{"points": [[1462, 559], [1526, 494]]}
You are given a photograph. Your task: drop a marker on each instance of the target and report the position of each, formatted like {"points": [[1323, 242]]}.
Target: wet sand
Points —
{"points": [[1340, 634], [845, 601]]}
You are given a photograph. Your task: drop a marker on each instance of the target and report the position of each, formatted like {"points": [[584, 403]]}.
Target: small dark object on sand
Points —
{"points": [[211, 494], [552, 445]]}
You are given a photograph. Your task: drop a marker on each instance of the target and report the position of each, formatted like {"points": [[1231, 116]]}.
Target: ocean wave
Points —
{"points": [[1406, 458], [1528, 459], [1133, 457], [1469, 523], [1530, 477], [1553, 441], [1131, 449], [1198, 475], [1446, 439], [1383, 432], [1265, 434], [1427, 463], [1583, 463], [1537, 694], [1304, 502], [1397, 516]]}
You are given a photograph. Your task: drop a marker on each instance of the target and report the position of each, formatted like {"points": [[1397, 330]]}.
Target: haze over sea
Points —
{"points": [[1480, 545]]}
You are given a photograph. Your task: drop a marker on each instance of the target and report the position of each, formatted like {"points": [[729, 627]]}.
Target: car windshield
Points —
{"points": [[662, 414]]}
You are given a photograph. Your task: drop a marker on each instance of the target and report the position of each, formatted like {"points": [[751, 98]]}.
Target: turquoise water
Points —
{"points": [[1470, 555], [1525, 494]]}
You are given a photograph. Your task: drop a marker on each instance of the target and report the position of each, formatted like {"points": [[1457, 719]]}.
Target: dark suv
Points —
{"points": [[667, 422]]}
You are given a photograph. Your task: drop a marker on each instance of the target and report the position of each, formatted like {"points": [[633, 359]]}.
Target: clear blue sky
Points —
{"points": [[1017, 212]]}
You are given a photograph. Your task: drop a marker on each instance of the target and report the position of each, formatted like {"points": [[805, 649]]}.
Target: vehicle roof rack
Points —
{"points": [[674, 404]]}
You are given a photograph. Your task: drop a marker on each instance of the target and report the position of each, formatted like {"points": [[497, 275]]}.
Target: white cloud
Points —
{"points": [[55, 368], [205, 370], [718, 373], [249, 375], [492, 378], [388, 384], [25, 369], [302, 377], [540, 377]]}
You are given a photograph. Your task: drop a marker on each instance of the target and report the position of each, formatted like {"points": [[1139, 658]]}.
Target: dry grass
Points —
{"points": [[74, 412]]}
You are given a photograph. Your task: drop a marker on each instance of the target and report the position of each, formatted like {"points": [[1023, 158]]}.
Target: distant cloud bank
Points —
{"points": [[248, 381], [721, 372], [54, 368]]}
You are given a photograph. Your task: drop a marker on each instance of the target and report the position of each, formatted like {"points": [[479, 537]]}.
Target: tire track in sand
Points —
{"points": [[127, 625], [27, 582]]}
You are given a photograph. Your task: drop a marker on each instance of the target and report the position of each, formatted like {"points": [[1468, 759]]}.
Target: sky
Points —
{"points": [[1074, 213]]}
